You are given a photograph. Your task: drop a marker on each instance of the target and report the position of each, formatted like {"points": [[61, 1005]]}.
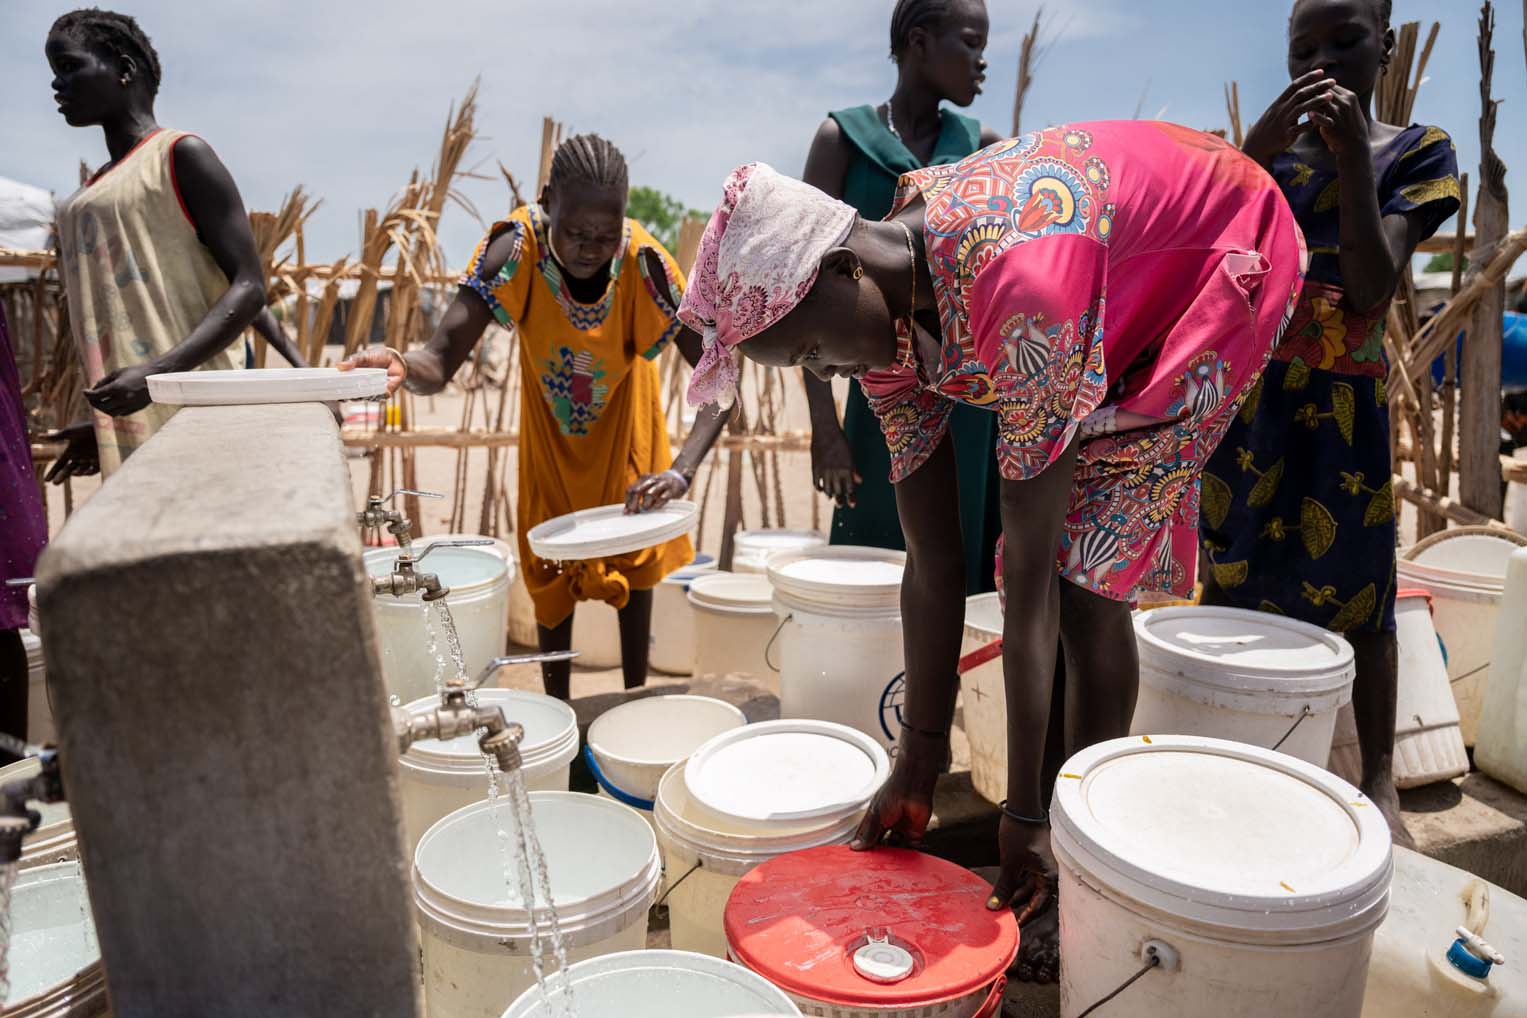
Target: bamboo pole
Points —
{"points": [[1480, 410], [1450, 357], [1444, 506]]}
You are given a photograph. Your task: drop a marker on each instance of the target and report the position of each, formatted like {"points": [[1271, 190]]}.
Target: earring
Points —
{"points": [[125, 80], [858, 271]]}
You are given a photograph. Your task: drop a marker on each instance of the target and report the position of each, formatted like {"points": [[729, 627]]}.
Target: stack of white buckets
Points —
{"points": [[760, 790]]}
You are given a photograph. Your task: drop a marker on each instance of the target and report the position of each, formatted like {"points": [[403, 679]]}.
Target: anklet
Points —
{"points": [[1041, 820]]}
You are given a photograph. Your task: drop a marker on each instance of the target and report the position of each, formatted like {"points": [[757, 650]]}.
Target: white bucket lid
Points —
{"points": [[52, 934], [610, 530], [750, 593], [983, 617], [658, 984], [661, 729], [763, 543], [840, 579], [787, 770], [551, 733], [1209, 654], [701, 565], [464, 570], [1258, 845], [601, 856], [730, 846], [238, 386]]}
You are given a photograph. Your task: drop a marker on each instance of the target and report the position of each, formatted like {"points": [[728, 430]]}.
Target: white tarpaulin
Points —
{"points": [[26, 222]]}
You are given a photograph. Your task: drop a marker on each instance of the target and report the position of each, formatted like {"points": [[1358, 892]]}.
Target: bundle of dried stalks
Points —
{"points": [[1029, 55], [1233, 108], [1396, 95], [272, 230]]}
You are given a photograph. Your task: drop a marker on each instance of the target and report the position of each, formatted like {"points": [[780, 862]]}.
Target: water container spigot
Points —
{"points": [[1472, 956]]}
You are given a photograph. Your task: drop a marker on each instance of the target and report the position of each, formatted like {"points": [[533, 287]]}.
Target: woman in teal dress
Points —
{"points": [[857, 156]]}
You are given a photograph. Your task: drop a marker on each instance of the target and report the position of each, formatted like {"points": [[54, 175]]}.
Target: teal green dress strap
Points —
{"points": [[869, 185]]}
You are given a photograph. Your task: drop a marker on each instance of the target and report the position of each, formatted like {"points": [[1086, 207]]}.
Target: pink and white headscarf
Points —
{"points": [[758, 258]]}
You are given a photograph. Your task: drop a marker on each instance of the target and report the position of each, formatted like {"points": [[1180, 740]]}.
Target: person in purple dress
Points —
{"points": [[23, 532]]}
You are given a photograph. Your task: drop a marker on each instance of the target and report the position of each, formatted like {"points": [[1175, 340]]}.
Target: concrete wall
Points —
{"points": [[224, 730]]}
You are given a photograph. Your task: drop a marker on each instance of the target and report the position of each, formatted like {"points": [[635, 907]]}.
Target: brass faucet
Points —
{"points": [[374, 517], [456, 717], [405, 579], [16, 820]]}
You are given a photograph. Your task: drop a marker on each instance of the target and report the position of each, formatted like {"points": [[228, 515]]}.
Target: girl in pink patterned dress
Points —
{"points": [[1109, 290]]}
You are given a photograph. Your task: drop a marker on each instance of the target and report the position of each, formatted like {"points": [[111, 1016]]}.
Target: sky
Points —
{"points": [[346, 98]]}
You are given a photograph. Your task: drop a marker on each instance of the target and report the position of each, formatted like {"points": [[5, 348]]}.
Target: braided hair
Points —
{"points": [[588, 159], [914, 14], [115, 33]]}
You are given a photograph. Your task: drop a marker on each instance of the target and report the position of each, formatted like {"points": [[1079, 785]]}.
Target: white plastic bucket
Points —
{"points": [[1428, 742], [1501, 750], [55, 962], [752, 549], [53, 841], [659, 984], [807, 769], [673, 620], [596, 626], [1410, 974], [441, 777], [632, 746], [478, 600], [840, 641], [1464, 571], [1252, 677], [39, 707], [1258, 877], [983, 698], [603, 862], [733, 624]]}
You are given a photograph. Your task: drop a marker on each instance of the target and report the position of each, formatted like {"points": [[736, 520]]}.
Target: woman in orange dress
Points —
{"points": [[595, 300]]}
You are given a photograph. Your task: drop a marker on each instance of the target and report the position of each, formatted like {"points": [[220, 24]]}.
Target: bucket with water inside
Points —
{"points": [[1464, 570], [1252, 677], [475, 925], [733, 624], [53, 957], [840, 645], [441, 777], [758, 792], [752, 549], [478, 602], [1231, 879], [659, 984], [884, 934]]}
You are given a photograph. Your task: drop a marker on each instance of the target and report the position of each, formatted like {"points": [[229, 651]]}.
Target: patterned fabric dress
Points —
{"points": [[1139, 266], [139, 280], [1298, 504], [591, 420], [869, 185], [23, 521]]}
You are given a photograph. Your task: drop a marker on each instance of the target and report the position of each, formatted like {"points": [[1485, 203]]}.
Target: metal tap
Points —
{"points": [[16, 820], [456, 717], [405, 579], [374, 517]]}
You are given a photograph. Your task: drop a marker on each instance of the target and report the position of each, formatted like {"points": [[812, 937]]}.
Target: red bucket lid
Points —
{"points": [[813, 922]]}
